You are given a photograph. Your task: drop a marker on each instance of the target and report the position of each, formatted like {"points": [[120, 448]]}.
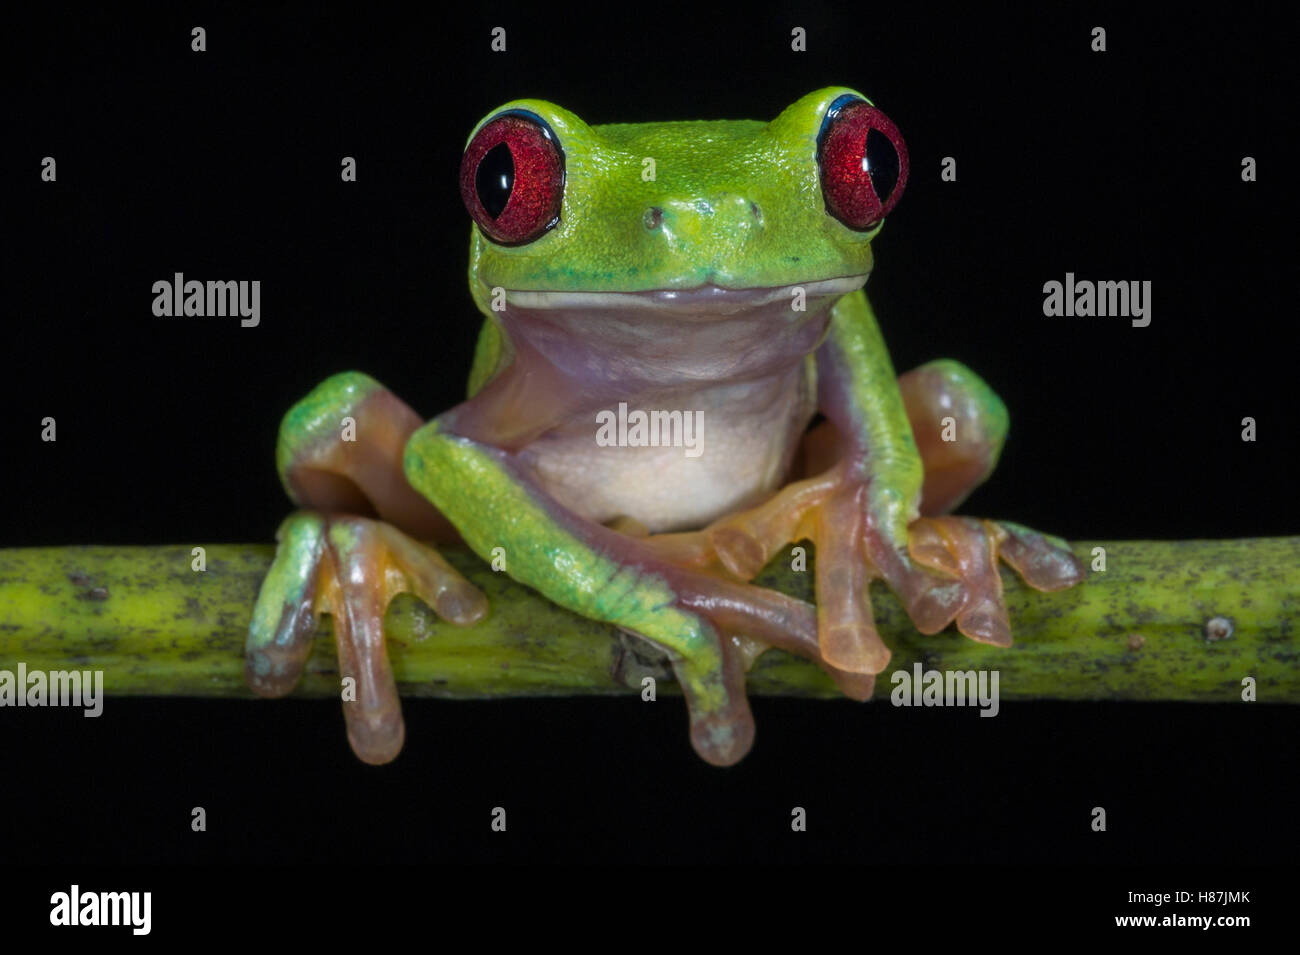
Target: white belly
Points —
{"points": [[747, 434]]}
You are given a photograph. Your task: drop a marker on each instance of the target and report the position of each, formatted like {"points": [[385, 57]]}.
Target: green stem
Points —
{"points": [[1135, 631]]}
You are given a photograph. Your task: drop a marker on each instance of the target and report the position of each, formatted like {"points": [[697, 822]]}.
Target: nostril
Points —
{"points": [[755, 211], [653, 217]]}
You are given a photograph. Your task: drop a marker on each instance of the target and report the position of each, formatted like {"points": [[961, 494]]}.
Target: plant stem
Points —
{"points": [[1137, 631]]}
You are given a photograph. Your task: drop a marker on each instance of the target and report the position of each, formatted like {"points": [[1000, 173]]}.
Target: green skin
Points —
{"points": [[732, 206]]}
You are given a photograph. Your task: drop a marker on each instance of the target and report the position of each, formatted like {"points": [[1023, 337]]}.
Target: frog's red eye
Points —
{"points": [[512, 178], [862, 160]]}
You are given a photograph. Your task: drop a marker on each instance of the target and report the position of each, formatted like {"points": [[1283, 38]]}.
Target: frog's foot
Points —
{"points": [[968, 549], [711, 628], [793, 625], [349, 567], [942, 568]]}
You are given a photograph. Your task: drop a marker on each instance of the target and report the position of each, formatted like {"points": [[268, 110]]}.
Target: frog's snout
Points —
{"points": [[713, 223]]}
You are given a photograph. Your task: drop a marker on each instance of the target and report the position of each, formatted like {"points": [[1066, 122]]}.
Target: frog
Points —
{"points": [[702, 271]]}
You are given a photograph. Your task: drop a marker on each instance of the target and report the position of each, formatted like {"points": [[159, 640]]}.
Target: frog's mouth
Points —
{"points": [[706, 301]]}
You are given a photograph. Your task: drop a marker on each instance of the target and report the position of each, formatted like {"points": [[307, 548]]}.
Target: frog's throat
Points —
{"points": [[615, 342], [704, 301]]}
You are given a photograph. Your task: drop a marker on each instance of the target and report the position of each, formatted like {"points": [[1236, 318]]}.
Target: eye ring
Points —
{"points": [[512, 178], [861, 162]]}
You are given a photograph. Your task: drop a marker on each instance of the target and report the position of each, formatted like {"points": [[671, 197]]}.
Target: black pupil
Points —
{"points": [[495, 179], [882, 164]]}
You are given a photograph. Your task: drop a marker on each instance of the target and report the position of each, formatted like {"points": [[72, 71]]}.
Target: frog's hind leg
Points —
{"points": [[339, 456], [340, 451], [959, 424], [859, 504]]}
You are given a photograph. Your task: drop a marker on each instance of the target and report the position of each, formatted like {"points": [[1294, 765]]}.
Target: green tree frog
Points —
{"points": [[702, 272]]}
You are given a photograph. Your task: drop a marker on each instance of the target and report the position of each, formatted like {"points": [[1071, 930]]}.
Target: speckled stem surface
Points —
{"points": [[1143, 629]]}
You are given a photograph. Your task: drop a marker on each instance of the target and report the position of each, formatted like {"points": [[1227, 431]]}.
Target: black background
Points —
{"points": [[225, 164]]}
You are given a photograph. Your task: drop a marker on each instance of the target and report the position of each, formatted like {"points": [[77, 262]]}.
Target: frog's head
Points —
{"points": [[705, 215]]}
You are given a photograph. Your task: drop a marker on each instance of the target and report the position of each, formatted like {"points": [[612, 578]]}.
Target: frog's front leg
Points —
{"points": [[864, 511], [339, 455], [709, 625]]}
